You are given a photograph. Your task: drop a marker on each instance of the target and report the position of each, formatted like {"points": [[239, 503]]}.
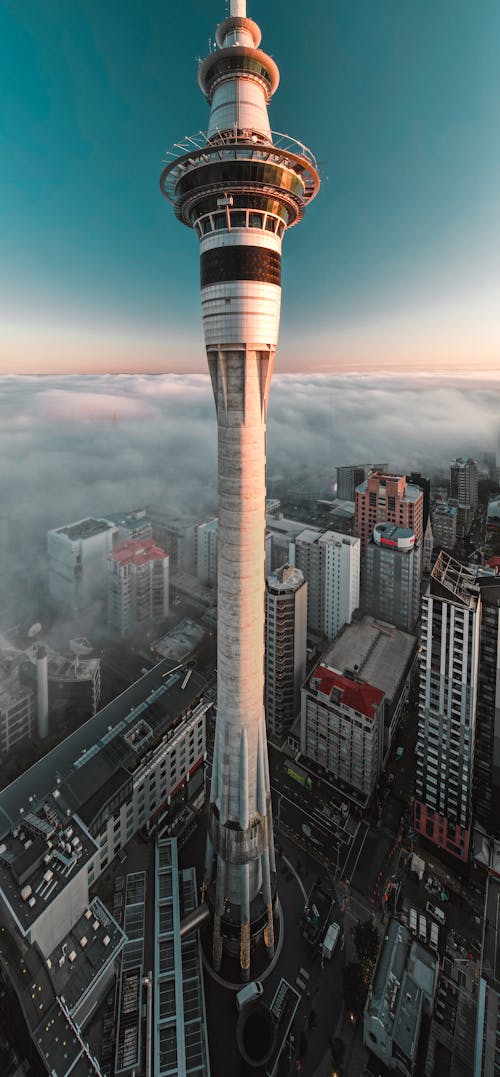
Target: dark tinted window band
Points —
{"points": [[240, 263]]}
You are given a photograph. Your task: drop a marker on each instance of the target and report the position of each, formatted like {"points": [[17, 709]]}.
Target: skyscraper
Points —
{"points": [[486, 797], [331, 563], [463, 481], [286, 647], [240, 187], [391, 576], [451, 613], [385, 498]]}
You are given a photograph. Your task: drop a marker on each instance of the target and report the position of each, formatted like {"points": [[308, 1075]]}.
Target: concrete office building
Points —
{"points": [[385, 498], [177, 537], [284, 532], [137, 585], [348, 478], [77, 555], [133, 526], [486, 793], [444, 525], [207, 538], [286, 647], [416, 479], [428, 549], [464, 476], [330, 562], [449, 659], [391, 576], [342, 729], [240, 188]]}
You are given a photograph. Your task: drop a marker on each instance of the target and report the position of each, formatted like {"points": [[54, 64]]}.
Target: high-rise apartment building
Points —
{"points": [[416, 479], [240, 187], [444, 525], [206, 552], [177, 537], [428, 549], [286, 647], [464, 476], [77, 556], [330, 562], [449, 661], [391, 576], [348, 478], [137, 585], [384, 498], [486, 800]]}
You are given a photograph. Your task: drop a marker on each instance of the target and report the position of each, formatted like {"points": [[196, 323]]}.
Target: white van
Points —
{"points": [[422, 928], [436, 913], [413, 921], [248, 993], [330, 941]]}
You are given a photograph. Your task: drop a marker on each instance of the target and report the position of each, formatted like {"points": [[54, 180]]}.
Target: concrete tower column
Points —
{"points": [[240, 188]]}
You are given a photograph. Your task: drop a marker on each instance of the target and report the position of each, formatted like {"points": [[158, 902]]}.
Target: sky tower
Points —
{"points": [[240, 186]]}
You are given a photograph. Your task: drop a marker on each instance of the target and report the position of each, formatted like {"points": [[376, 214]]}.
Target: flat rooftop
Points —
{"points": [[84, 529], [94, 941], [155, 696], [39, 859], [374, 651]]}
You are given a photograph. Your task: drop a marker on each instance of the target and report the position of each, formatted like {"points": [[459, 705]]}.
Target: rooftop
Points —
{"points": [[156, 697], [442, 508], [39, 858], [346, 692], [285, 579], [452, 580], [137, 552], [78, 960], [373, 651], [84, 529]]}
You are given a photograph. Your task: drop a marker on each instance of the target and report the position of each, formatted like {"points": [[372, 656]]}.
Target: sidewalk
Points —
{"points": [[356, 1054]]}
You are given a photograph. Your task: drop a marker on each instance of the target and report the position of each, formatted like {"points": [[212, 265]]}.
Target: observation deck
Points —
{"points": [[239, 162]]}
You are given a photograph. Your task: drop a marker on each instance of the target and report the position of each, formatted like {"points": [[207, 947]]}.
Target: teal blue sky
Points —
{"points": [[397, 262]]}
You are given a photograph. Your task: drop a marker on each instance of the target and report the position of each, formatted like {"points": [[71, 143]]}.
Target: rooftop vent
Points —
{"points": [[83, 942]]}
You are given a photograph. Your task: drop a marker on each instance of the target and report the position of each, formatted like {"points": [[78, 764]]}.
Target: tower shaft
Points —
{"points": [[240, 188]]}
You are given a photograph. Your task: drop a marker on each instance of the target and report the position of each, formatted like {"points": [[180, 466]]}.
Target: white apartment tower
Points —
{"points": [[464, 476], [331, 565], [451, 613], [206, 552], [240, 186], [286, 647], [137, 585]]}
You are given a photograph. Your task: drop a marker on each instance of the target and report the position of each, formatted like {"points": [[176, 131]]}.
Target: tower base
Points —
{"points": [[229, 939]]}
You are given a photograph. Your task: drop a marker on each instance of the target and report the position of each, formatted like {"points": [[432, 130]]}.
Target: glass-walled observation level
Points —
{"points": [[245, 167]]}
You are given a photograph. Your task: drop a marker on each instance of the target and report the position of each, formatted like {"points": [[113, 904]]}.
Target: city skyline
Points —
{"points": [[405, 269]]}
